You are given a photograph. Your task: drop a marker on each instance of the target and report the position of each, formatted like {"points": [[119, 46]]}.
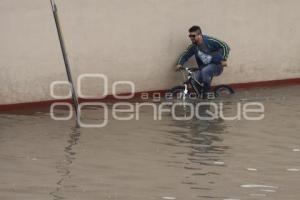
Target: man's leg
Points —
{"points": [[207, 73]]}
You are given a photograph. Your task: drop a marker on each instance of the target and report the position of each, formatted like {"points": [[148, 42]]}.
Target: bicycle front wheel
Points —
{"points": [[177, 92]]}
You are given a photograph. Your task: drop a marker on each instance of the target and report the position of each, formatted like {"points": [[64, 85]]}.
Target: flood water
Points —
{"points": [[148, 159]]}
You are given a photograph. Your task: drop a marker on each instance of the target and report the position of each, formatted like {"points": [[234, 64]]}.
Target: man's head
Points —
{"points": [[195, 34]]}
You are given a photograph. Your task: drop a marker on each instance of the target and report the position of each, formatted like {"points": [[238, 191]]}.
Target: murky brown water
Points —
{"points": [[43, 159]]}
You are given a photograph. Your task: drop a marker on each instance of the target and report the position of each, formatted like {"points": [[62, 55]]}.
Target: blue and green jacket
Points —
{"points": [[214, 48]]}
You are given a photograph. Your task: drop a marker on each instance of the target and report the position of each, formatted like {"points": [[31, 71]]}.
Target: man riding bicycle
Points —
{"points": [[211, 55]]}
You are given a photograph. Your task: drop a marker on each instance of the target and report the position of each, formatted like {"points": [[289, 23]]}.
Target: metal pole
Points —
{"points": [[65, 56]]}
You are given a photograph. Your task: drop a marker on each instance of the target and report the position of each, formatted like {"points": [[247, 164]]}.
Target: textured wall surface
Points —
{"points": [[140, 40]]}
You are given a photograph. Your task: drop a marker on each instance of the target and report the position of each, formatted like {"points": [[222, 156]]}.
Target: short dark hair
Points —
{"points": [[195, 29]]}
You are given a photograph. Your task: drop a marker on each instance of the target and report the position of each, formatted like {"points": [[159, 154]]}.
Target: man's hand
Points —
{"points": [[224, 63], [178, 67]]}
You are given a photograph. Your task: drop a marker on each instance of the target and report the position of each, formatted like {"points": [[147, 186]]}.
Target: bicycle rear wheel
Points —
{"points": [[223, 91]]}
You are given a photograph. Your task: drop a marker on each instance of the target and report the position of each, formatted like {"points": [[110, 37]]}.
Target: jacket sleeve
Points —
{"points": [[189, 52], [220, 46]]}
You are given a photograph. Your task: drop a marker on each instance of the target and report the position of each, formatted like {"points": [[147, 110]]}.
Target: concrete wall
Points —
{"points": [[140, 40]]}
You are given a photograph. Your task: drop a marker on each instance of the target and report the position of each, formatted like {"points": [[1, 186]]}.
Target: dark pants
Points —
{"points": [[206, 74]]}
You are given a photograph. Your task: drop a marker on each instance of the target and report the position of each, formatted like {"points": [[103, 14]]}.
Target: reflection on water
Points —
{"points": [[63, 166], [204, 142], [155, 159]]}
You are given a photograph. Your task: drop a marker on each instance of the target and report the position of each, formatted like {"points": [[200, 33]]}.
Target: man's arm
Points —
{"points": [[185, 55], [219, 45]]}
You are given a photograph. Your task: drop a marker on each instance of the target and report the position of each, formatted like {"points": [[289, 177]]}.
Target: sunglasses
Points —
{"points": [[192, 35]]}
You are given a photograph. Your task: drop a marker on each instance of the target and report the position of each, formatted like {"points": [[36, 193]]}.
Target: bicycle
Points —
{"points": [[193, 89]]}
